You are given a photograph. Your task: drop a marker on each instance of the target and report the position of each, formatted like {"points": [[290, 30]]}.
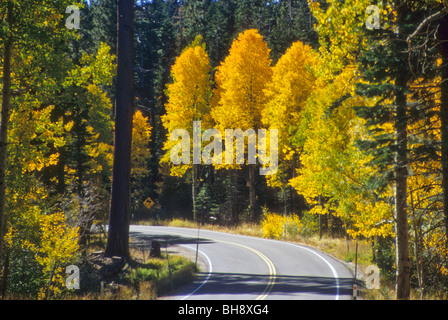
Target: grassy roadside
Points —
{"points": [[142, 278], [159, 276]]}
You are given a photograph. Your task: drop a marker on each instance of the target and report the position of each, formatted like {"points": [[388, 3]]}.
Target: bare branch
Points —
{"points": [[429, 19]]}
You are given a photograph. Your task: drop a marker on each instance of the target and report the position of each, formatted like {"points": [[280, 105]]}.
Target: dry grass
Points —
{"points": [[336, 247], [244, 228], [130, 286]]}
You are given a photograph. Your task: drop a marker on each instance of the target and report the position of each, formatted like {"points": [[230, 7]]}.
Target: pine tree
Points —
{"points": [[254, 14], [101, 16], [293, 22], [388, 74], [220, 29], [118, 236]]}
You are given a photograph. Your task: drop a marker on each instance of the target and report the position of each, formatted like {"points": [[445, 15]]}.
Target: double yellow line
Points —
{"points": [[271, 267]]}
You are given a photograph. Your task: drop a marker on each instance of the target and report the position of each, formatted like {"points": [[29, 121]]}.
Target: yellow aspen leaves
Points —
{"points": [[241, 80], [141, 136], [188, 98], [333, 168], [53, 243], [276, 226], [292, 82]]}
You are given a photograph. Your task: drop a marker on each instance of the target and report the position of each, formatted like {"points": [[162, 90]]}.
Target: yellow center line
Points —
{"points": [[272, 271], [271, 267]]}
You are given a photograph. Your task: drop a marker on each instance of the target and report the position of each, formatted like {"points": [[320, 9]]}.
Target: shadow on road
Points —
{"points": [[164, 239], [234, 285], [308, 287]]}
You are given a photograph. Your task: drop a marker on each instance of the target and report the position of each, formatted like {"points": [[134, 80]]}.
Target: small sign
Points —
{"points": [[148, 203]]}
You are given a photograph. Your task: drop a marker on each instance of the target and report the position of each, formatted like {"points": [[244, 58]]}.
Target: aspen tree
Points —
{"points": [[241, 82]]}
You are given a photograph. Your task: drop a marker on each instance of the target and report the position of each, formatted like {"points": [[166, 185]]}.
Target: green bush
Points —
{"points": [[164, 274], [310, 224], [25, 276]]}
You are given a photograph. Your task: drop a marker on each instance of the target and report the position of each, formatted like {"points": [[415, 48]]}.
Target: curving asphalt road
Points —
{"points": [[236, 267]]}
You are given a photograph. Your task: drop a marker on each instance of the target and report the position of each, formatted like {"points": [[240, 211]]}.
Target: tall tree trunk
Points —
{"points": [[402, 247], [118, 237], [252, 192], [444, 117], [195, 189], [419, 260], [6, 103], [5, 275], [234, 182], [321, 203]]}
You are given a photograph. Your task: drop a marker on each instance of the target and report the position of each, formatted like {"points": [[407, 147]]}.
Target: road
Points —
{"points": [[235, 267]]}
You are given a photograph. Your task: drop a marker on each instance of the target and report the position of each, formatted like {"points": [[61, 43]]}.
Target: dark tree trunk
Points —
{"points": [[402, 241], [118, 237], [444, 116], [6, 102], [195, 189], [235, 206], [252, 192]]}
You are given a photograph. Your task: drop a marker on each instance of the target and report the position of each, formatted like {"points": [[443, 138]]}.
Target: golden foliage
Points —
{"points": [[292, 82], [276, 226], [188, 98], [141, 136], [241, 80], [53, 244]]}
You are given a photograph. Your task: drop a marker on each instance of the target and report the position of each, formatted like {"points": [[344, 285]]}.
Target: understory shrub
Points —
{"points": [[276, 226]]}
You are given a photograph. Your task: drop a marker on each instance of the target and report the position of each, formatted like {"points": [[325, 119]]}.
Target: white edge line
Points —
{"points": [[333, 270], [208, 275]]}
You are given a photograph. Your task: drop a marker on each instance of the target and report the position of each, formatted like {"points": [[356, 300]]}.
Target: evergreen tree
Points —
{"points": [[387, 72], [220, 29], [293, 22], [254, 14], [99, 24]]}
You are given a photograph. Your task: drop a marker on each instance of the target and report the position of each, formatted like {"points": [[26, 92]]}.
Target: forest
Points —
{"points": [[357, 91]]}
